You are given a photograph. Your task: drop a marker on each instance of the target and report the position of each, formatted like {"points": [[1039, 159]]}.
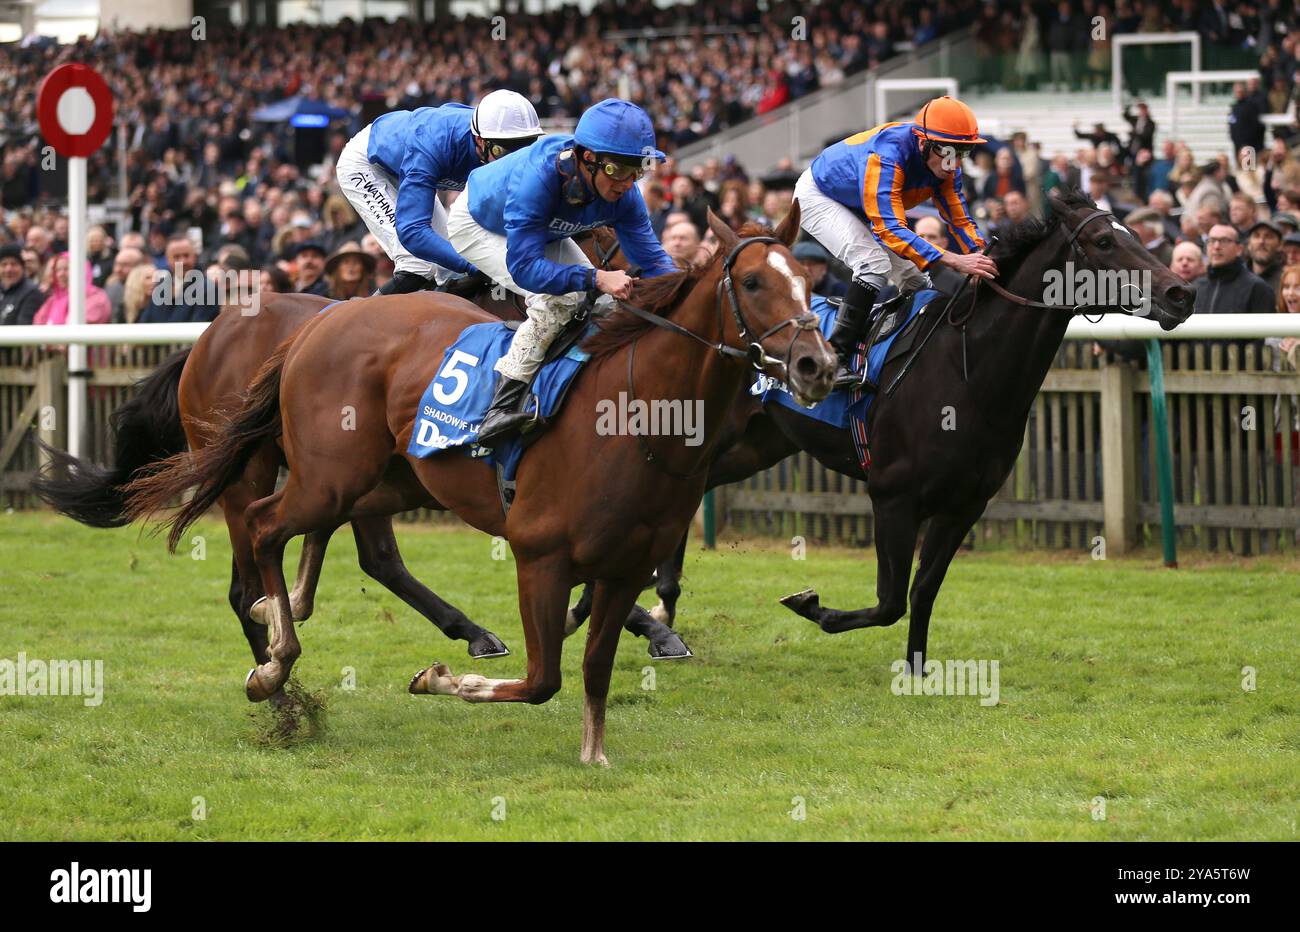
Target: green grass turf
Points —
{"points": [[1118, 679]]}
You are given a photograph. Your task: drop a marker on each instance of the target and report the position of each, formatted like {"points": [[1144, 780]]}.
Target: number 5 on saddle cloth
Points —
{"points": [[453, 406]]}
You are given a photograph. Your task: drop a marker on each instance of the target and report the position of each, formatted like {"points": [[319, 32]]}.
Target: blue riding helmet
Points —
{"points": [[617, 127]]}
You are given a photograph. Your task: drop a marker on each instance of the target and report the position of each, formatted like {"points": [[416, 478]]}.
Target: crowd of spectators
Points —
{"points": [[210, 189]]}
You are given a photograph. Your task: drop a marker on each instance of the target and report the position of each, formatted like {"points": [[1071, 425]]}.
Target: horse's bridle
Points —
{"points": [[754, 352], [604, 257], [1076, 251]]}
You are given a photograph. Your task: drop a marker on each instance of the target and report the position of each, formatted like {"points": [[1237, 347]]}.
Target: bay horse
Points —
{"points": [[179, 404], [591, 506], [985, 360]]}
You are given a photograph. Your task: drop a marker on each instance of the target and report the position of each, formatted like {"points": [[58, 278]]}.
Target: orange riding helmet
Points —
{"points": [[947, 120]]}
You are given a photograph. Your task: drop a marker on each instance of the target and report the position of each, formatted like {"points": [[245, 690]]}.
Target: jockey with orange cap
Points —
{"points": [[852, 201]]}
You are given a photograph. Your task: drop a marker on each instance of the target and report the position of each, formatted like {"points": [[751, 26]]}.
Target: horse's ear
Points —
{"points": [[727, 238], [788, 230]]}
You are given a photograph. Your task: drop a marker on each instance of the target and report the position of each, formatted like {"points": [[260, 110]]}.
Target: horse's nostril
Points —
{"points": [[1177, 295], [806, 367]]}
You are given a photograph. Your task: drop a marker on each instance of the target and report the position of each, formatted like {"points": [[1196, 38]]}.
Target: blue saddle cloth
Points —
{"points": [[452, 407], [844, 408]]}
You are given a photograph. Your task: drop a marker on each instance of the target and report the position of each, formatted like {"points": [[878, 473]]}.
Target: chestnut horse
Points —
{"points": [[185, 397], [591, 505]]}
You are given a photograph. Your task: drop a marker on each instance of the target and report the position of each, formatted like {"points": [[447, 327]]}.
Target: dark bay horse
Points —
{"points": [[591, 505], [985, 374], [181, 403]]}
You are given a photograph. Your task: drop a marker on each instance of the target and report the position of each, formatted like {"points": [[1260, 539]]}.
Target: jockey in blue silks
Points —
{"points": [[392, 171], [515, 220]]}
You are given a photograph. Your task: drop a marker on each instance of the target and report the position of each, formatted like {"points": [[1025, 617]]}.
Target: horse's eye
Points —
{"points": [[750, 282], [1105, 243]]}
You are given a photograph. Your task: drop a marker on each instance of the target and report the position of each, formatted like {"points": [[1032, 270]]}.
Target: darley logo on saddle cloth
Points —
{"points": [[846, 408], [452, 407]]}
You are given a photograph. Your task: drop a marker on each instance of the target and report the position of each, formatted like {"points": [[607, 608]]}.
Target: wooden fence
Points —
{"points": [[1087, 468]]}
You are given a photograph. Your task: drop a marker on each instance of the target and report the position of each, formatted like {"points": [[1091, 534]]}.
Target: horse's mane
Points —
{"points": [[1017, 240], [660, 295]]}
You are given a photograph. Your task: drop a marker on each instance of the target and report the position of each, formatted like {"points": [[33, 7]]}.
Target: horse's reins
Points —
{"points": [[754, 353], [1071, 241]]}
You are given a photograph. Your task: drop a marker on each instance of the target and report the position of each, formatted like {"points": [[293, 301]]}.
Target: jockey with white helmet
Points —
{"points": [[515, 220], [392, 171]]}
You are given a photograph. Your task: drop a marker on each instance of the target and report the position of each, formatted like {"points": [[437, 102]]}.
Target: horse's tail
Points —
{"points": [[144, 430], [217, 466]]}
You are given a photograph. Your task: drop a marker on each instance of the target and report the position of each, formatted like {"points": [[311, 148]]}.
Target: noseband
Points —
{"points": [[1076, 252], [754, 352]]}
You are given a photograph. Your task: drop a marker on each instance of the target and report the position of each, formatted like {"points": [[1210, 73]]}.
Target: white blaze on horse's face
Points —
{"points": [[798, 287]]}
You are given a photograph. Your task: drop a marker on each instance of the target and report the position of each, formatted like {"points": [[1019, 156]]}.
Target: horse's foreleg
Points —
{"points": [[610, 606], [543, 595], [896, 530], [943, 537], [380, 558]]}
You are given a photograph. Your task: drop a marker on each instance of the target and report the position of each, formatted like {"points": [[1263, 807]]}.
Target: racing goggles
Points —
{"points": [[499, 147], [953, 150], [621, 171]]}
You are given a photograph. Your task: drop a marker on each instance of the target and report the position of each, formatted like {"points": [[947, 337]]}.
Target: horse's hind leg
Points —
{"points": [[303, 596], [665, 643], [246, 582], [943, 537], [896, 531], [379, 557], [271, 522], [668, 584]]}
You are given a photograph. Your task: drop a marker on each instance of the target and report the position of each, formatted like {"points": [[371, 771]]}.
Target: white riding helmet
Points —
{"points": [[505, 115]]}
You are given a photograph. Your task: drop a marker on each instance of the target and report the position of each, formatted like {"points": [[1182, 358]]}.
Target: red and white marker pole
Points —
{"points": [[75, 111]]}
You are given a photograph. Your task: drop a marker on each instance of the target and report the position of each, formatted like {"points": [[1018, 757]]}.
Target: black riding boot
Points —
{"points": [[503, 416], [850, 326], [406, 283]]}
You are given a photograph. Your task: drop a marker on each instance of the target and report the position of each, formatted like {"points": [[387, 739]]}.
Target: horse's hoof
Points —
{"points": [[257, 612], [255, 689], [424, 682], [803, 603], [487, 645], [571, 623], [669, 647], [416, 687]]}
